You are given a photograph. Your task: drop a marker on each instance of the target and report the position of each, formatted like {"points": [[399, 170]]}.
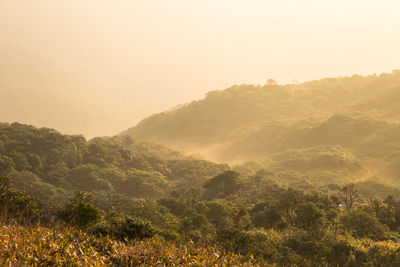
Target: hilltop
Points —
{"points": [[332, 123]]}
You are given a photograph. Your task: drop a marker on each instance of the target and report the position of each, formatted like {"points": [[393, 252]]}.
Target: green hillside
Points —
{"points": [[50, 165], [313, 179], [335, 124], [138, 203]]}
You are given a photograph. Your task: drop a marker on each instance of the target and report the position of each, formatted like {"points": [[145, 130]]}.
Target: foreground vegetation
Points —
{"points": [[289, 227], [35, 245]]}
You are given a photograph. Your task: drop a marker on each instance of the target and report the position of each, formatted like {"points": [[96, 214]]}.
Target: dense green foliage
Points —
{"points": [[338, 124], [50, 165], [260, 220], [320, 190]]}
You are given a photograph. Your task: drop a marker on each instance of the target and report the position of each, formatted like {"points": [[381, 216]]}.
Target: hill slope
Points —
{"points": [[357, 114], [50, 165]]}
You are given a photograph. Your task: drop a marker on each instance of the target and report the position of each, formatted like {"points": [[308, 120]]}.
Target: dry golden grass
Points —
{"points": [[36, 245]]}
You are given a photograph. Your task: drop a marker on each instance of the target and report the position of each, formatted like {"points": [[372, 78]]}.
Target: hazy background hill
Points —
{"points": [[333, 123]]}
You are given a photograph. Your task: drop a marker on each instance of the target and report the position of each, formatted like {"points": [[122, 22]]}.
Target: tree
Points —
{"points": [[36, 162], [140, 183], [6, 164], [17, 204], [309, 216], [85, 177], [222, 185], [349, 195], [363, 224], [288, 203], [271, 82]]}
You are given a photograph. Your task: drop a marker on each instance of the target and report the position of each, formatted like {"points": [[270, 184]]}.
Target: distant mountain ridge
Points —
{"points": [[249, 122]]}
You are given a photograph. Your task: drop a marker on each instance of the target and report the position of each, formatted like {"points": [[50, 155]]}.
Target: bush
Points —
{"points": [[363, 224], [15, 204], [77, 211], [124, 227]]}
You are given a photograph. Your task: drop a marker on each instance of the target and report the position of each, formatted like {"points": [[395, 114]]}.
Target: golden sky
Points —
{"points": [[97, 67]]}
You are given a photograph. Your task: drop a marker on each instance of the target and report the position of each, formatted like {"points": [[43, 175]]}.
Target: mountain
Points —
{"points": [[217, 123], [309, 183], [346, 125]]}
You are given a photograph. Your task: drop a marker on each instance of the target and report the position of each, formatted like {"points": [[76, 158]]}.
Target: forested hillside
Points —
{"points": [[137, 203], [49, 164], [340, 123], [313, 179]]}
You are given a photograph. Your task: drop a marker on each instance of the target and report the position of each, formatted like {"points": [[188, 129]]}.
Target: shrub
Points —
{"points": [[363, 224], [77, 211], [124, 227]]}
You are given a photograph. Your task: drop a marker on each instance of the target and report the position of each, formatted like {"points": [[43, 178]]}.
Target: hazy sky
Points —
{"points": [[97, 67]]}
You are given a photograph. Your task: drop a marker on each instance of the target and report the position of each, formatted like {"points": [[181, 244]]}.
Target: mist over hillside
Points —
{"points": [[270, 171], [313, 172], [348, 123], [321, 189]]}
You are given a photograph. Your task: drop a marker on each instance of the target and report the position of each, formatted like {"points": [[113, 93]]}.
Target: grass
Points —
{"points": [[63, 246]]}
